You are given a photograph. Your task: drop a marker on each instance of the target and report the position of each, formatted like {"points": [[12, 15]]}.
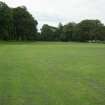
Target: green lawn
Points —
{"points": [[51, 73]]}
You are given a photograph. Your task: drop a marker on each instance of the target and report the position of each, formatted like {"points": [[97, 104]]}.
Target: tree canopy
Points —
{"points": [[18, 24]]}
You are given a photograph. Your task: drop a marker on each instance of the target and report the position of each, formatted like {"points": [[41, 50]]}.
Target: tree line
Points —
{"points": [[86, 30], [18, 24]]}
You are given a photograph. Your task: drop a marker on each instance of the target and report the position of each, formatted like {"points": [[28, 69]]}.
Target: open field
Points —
{"points": [[51, 73]]}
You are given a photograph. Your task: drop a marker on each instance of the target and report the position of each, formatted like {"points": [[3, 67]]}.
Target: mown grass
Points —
{"points": [[44, 73]]}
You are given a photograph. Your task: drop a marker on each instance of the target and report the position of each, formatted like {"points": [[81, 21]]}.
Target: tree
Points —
{"points": [[19, 24], [16, 23], [59, 32], [24, 24], [48, 33], [100, 33], [68, 31], [87, 29], [5, 22]]}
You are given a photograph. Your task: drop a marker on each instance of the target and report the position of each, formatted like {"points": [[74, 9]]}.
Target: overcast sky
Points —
{"points": [[54, 11]]}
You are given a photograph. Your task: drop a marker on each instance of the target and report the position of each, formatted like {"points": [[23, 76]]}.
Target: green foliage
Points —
{"points": [[19, 24], [16, 23], [5, 21], [86, 30], [48, 33], [68, 31], [24, 24]]}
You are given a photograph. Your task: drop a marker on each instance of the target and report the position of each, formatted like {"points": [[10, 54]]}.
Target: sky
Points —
{"points": [[53, 12]]}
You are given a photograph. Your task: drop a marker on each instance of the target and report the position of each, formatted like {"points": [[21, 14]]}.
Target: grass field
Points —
{"points": [[50, 73]]}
